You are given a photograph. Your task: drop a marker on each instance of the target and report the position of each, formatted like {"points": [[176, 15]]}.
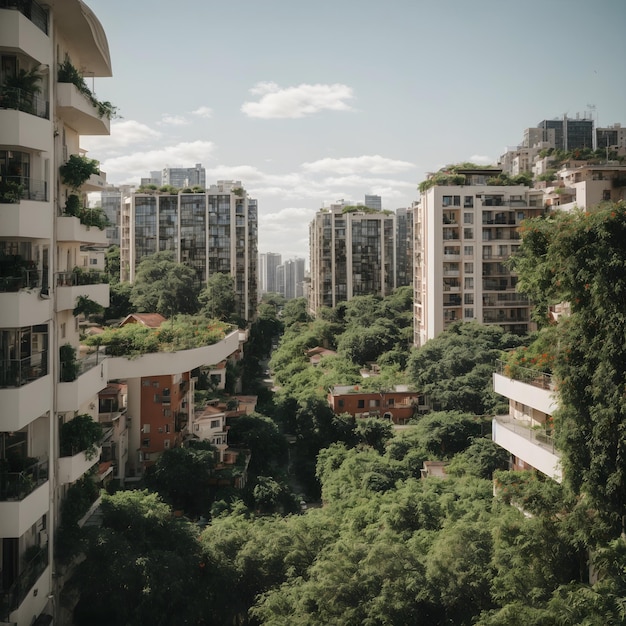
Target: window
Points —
{"points": [[93, 261], [145, 442], [215, 423], [468, 298], [374, 403], [469, 283], [167, 428], [340, 404], [146, 429], [196, 427], [468, 250], [468, 218], [361, 404], [167, 412], [446, 200], [390, 402], [155, 384], [469, 314], [468, 202], [468, 233], [145, 383], [468, 268]]}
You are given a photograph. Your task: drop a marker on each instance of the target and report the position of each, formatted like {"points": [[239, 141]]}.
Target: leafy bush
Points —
{"points": [[80, 434], [69, 365]]}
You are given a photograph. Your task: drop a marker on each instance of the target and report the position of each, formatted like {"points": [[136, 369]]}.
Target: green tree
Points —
{"points": [[164, 286], [218, 298], [112, 264], [455, 368]]}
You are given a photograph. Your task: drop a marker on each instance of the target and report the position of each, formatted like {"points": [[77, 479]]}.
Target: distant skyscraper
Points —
{"points": [[181, 177], [268, 262], [352, 254], [214, 231], [569, 134], [373, 202], [294, 276]]}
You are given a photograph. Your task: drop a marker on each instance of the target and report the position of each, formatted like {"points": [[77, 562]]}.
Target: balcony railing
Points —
{"points": [[75, 278], [24, 279], [538, 435], [29, 9], [11, 598], [18, 372], [18, 485], [527, 375], [23, 100], [13, 189]]}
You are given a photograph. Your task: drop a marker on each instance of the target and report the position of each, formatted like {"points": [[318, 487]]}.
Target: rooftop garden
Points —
{"points": [[182, 332], [453, 175]]}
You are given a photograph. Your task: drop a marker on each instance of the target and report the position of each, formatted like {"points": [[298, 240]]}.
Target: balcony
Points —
{"points": [[20, 301], [17, 603], [78, 112], [71, 468], [71, 285], [92, 376], [21, 129], [534, 447], [75, 229], [29, 10], [24, 497], [23, 400]]}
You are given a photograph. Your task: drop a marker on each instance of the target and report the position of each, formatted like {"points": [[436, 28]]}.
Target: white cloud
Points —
{"points": [[374, 164], [296, 102], [479, 159], [123, 133], [203, 112], [131, 167], [173, 120]]}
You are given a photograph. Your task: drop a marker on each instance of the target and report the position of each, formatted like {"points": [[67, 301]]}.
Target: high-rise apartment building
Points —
{"points": [[268, 262], [294, 277], [45, 384], [464, 234], [111, 199], [180, 177], [214, 231], [353, 253], [404, 257]]}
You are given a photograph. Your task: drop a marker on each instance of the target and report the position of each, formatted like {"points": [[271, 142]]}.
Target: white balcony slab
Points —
{"points": [[71, 396], [71, 468], [66, 296], [538, 398], [17, 32], [70, 229], [23, 308], [28, 219], [23, 130], [522, 443], [22, 405], [17, 516], [79, 113]]}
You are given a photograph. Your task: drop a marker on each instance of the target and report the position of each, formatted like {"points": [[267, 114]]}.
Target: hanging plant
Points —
{"points": [[77, 171]]}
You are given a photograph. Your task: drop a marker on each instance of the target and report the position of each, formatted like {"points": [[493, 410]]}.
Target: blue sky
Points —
{"points": [[311, 102]]}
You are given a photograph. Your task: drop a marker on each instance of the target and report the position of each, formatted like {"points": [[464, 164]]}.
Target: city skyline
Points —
{"points": [[310, 105]]}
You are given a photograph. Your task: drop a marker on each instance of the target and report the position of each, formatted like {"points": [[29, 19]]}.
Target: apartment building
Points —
{"points": [[213, 231], [44, 382], [404, 245], [268, 262], [181, 177], [292, 278], [352, 253], [464, 234]]}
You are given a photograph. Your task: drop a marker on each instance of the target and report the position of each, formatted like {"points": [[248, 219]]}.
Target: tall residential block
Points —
{"points": [[214, 231], [464, 235], [353, 253], [404, 257], [293, 270], [48, 388], [180, 177], [268, 262]]}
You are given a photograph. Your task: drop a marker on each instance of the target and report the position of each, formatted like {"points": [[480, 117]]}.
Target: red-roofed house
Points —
{"points": [[151, 320]]}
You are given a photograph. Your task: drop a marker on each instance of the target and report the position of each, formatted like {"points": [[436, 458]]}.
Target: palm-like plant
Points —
{"points": [[22, 89]]}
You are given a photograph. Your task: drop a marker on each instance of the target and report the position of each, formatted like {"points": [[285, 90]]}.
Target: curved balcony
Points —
{"points": [[23, 398], [24, 130], [72, 229], [71, 285], [79, 113], [71, 468], [91, 378], [21, 300]]}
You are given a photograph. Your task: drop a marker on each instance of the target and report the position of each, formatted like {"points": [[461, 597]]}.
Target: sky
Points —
{"points": [[308, 103]]}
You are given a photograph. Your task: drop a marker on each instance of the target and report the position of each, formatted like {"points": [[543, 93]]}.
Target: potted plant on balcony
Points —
{"points": [[77, 170], [19, 91], [80, 434], [69, 365]]}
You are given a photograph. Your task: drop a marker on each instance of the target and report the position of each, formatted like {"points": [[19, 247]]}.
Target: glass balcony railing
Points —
{"points": [[75, 278], [15, 594], [20, 279], [19, 372], [23, 100], [13, 189], [18, 485], [29, 9]]}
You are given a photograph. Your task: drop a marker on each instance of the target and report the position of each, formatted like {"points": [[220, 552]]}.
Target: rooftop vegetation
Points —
{"points": [[183, 332]]}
